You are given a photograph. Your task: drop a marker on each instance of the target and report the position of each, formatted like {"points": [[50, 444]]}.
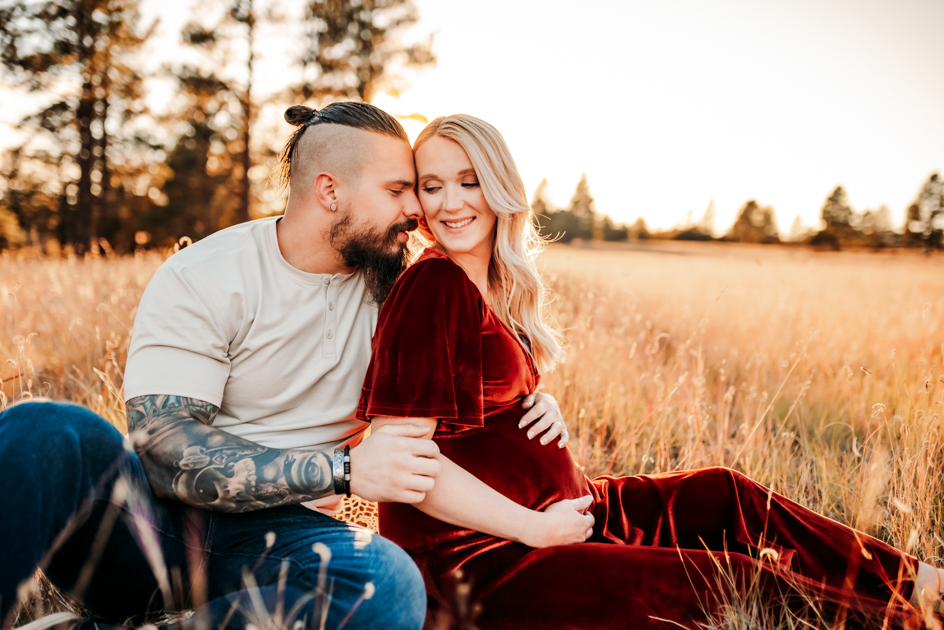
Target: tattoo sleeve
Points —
{"points": [[187, 459]]}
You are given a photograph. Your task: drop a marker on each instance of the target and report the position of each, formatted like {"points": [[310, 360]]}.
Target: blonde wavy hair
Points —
{"points": [[516, 293]]}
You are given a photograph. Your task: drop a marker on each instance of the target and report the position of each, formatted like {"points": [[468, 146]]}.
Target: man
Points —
{"points": [[247, 357]]}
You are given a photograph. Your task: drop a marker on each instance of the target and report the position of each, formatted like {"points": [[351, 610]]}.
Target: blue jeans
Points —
{"points": [[76, 504]]}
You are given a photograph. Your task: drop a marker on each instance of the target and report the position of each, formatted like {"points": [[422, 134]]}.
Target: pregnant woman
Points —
{"points": [[458, 345]]}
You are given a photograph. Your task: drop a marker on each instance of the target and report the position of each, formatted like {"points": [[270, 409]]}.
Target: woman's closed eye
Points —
{"points": [[470, 185], [431, 189]]}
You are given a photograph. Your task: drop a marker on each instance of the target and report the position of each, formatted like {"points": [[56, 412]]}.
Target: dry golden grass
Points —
{"points": [[65, 328], [821, 375]]}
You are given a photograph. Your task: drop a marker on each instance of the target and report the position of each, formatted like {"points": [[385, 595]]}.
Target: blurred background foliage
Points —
{"points": [[96, 167]]}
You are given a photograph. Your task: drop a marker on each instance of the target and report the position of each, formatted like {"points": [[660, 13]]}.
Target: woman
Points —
{"points": [[459, 343]]}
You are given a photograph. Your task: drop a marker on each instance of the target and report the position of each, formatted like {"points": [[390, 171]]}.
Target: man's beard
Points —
{"points": [[376, 252]]}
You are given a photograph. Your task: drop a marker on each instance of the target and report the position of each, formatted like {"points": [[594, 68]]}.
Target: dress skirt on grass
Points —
{"points": [[667, 550]]}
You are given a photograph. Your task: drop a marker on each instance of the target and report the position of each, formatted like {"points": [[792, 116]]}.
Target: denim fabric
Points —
{"points": [[75, 503]]}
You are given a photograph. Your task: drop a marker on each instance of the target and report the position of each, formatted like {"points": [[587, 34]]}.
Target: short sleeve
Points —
{"points": [[427, 350], [178, 343]]}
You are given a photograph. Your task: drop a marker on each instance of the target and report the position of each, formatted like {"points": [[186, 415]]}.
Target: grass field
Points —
{"points": [[821, 375]]}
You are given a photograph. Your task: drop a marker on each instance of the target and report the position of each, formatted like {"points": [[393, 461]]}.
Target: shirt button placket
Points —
{"points": [[331, 319]]}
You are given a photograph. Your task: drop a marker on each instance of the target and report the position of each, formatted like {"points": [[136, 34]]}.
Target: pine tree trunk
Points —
{"points": [[247, 122], [82, 229], [98, 203]]}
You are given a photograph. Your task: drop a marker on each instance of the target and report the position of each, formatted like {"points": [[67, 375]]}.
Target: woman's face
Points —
{"points": [[452, 199]]}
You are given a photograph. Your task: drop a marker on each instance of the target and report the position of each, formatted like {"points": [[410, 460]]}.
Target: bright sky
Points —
{"points": [[670, 104]]}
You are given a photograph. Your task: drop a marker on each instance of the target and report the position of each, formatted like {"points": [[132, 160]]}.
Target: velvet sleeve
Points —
{"points": [[427, 350]]}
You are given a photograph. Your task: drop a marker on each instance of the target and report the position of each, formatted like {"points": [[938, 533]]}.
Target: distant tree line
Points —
{"points": [[842, 227], [96, 168]]}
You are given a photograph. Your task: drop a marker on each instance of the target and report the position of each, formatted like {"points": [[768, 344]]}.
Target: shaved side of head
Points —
{"points": [[335, 149]]}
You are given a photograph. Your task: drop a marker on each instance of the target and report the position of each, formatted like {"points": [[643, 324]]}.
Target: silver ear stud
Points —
{"points": [[334, 206]]}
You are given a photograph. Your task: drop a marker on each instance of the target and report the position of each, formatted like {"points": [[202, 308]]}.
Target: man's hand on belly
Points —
{"points": [[187, 459]]}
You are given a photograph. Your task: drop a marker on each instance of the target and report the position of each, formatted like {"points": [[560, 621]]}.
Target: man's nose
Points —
{"points": [[412, 207]]}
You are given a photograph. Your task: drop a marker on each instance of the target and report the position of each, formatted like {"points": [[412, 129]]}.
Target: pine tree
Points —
{"points": [[707, 223], [755, 224], [201, 164], [926, 214], [541, 205], [83, 52], [841, 222], [836, 212], [233, 27], [583, 208], [798, 231], [638, 230], [353, 50]]}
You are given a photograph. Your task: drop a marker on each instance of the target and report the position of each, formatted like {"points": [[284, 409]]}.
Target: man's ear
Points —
{"points": [[325, 189]]}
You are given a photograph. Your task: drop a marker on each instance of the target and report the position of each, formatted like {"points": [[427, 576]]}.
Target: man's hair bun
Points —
{"points": [[298, 115]]}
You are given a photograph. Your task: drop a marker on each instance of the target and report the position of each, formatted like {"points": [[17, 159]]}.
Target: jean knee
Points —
{"points": [[398, 586], [58, 424], [64, 441]]}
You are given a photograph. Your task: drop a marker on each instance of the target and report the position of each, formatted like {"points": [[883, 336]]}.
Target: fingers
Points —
{"points": [[404, 430], [546, 418], [564, 439], [425, 466], [551, 424], [582, 503], [590, 522], [418, 483], [556, 428], [528, 401], [535, 413], [423, 448], [409, 496], [543, 419]]}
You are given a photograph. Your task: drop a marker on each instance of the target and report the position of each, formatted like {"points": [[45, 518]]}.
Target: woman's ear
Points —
{"points": [[325, 189]]}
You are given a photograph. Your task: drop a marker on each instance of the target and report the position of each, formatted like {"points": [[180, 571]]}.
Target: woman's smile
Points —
{"points": [[455, 226]]}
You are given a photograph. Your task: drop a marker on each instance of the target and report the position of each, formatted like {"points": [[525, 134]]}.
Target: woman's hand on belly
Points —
{"points": [[544, 413], [563, 523]]}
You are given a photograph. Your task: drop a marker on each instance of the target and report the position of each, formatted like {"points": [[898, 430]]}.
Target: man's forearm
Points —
{"points": [[187, 459]]}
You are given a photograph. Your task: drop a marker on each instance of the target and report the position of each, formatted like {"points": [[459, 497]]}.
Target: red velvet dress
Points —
{"points": [[661, 542]]}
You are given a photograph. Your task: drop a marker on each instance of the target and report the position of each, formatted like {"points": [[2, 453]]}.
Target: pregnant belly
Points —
{"points": [[501, 455]]}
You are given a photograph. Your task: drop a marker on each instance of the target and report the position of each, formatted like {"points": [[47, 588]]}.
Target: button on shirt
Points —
{"points": [[281, 352]]}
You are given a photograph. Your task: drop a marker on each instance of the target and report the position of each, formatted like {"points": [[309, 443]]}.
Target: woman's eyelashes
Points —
{"points": [[429, 190]]}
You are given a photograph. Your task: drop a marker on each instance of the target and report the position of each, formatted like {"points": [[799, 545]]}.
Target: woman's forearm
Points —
{"points": [[459, 498], [462, 499]]}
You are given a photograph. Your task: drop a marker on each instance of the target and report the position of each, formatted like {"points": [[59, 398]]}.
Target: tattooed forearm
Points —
{"points": [[187, 459]]}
